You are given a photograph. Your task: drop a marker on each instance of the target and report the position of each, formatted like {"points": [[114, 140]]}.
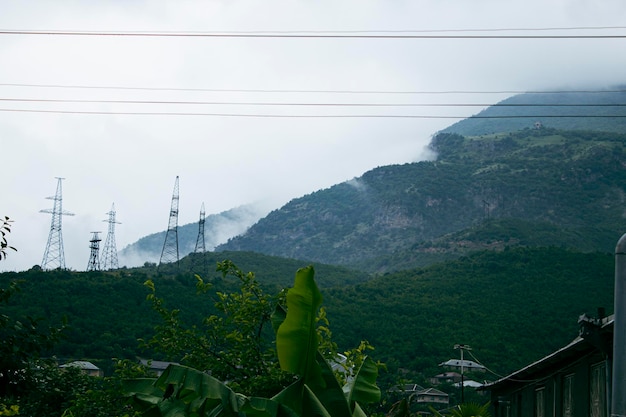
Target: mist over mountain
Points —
{"points": [[524, 219], [566, 110], [218, 228], [537, 169], [538, 186]]}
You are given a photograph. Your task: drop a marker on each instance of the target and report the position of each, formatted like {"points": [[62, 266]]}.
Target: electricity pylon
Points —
{"points": [[199, 258], [54, 256], [169, 254], [109, 253], [94, 256]]}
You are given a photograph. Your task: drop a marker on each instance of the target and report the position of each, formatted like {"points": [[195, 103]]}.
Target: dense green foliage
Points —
{"points": [[234, 343], [23, 339], [513, 307], [107, 311], [315, 391], [569, 185]]}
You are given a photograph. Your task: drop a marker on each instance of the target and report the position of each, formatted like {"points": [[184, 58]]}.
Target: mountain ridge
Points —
{"points": [[217, 229], [572, 180], [565, 110]]}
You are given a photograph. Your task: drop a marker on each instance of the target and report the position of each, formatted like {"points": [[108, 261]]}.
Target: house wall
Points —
{"points": [[575, 390]]}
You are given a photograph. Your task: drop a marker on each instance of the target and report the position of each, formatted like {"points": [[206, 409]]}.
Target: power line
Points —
{"points": [[296, 35], [331, 32], [308, 116], [305, 104], [222, 90]]}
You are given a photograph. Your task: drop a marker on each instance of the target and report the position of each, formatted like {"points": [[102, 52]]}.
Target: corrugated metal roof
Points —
{"points": [[457, 363], [574, 348], [81, 365]]}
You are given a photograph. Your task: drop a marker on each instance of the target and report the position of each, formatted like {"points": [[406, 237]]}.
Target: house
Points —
{"points": [[418, 394], [85, 367], [587, 377], [446, 377], [574, 381], [432, 396], [157, 367], [463, 365], [469, 383], [412, 388]]}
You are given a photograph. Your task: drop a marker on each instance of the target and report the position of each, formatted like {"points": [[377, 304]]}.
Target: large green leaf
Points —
{"points": [[291, 396], [331, 394], [296, 339], [266, 407], [278, 317], [183, 391], [302, 400], [143, 391], [362, 388]]}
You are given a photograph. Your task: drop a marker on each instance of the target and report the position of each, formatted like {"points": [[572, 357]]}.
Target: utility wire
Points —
{"points": [[293, 35], [331, 32], [305, 116], [97, 87], [542, 378], [304, 104]]}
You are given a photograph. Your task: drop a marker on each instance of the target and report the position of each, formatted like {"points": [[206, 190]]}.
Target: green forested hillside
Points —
{"points": [[569, 185], [512, 306], [107, 311]]}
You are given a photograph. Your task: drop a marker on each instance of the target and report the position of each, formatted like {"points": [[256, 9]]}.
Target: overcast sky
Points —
{"points": [[225, 161]]}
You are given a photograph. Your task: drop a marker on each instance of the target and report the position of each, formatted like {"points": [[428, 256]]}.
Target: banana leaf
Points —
{"points": [[362, 388], [296, 338]]}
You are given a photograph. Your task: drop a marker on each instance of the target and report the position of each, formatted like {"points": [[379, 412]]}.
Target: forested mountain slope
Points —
{"points": [[107, 311], [567, 110], [512, 306], [567, 186]]}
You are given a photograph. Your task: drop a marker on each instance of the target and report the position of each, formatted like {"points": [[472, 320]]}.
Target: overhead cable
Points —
{"points": [[306, 116], [296, 35], [305, 104], [224, 90]]}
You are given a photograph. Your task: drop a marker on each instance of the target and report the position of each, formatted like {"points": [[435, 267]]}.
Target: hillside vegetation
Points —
{"points": [[531, 187], [107, 311], [512, 306]]}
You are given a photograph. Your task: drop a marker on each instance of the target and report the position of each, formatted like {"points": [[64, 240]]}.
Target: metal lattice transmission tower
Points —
{"points": [[199, 260], [109, 252], [169, 254], [54, 256], [94, 256], [200, 246]]}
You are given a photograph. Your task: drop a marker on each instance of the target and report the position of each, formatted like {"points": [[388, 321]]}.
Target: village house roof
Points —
{"points": [[432, 395], [88, 366], [465, 364], [469, 383], [156, 365], [581, 344]]}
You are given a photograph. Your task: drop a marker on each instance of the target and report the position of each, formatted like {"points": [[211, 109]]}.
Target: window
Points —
{"points": [[597, 391], [568, 397], [540, 402]]}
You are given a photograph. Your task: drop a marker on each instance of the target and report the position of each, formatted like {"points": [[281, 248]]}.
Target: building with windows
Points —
{"points": [[574, 381]]}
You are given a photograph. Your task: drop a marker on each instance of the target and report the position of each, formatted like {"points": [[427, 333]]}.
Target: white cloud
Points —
{"points": [[228, 161]]}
